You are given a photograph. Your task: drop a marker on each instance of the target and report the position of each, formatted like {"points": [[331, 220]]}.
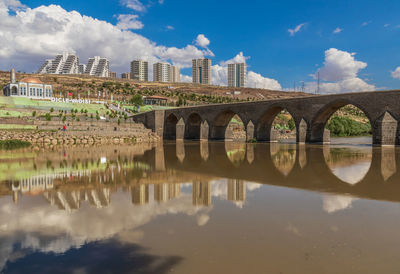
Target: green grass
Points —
{"points": [[13, 144], [26, 103], [15, 126]]}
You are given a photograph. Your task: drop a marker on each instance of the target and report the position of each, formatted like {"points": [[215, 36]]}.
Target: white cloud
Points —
{"points": [[364, 24], [134, 4], [396, 73], [256, 80], [340, 74], [296, 29], [386, 25], [186, 78], [337, 30], [129, 21], [170, 27], [340, 65], [239, 58], [202, 41], [219, 75], [33, 35]]}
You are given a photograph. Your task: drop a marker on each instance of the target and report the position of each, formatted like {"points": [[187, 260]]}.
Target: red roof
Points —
{"points": [[155, 97]]}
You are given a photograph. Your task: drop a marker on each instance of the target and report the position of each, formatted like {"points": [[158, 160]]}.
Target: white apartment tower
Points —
{"points": [[237, 75], [98, 66], [140, 70], [175, 74], [65, 63], [162, 72], [201, 71]]}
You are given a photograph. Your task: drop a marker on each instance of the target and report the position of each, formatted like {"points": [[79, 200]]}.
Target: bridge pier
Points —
{"points": [[180, 130], [385, 130]]}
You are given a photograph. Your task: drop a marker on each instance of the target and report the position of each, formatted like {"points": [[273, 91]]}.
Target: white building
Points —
{"points": [[201, 71], [162, 72], [28, 87], [237, 75], [140, 70], [175, 74], [65, 63], [98, 66], [82, 68]]}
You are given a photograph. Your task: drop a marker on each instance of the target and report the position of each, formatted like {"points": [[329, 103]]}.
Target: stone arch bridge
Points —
{"points": [[209, 122]]}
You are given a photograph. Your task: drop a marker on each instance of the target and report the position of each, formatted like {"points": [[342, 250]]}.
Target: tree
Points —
{"points": [[34, 113], [136, 100], [52, 109]]}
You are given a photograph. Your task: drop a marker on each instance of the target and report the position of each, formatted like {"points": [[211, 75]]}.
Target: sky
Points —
{"points": [[352, 44]]}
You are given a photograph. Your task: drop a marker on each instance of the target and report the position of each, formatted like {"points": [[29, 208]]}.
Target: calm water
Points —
{"points": [[201, 208]]}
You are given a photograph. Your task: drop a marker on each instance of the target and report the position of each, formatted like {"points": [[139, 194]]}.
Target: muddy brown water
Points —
{"points": [[191, 207]]}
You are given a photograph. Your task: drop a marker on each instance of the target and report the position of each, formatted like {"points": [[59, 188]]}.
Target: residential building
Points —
{"points": [[65, 63], [82, 68], [237, 75], [175, 74], [201, 71], [140, 70], [126, 75], [155, 100], [140, 194], [112, 74], [98, 66], [162, 72], [28, 87]]}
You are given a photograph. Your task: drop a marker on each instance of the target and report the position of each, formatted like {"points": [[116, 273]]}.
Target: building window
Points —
{"points": [[30, 92]]}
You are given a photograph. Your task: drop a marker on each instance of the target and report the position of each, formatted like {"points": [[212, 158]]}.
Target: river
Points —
{"points": [[191, 207]]}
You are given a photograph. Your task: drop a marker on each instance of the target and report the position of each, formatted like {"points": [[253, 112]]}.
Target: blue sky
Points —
{"points": [[259, 29]]}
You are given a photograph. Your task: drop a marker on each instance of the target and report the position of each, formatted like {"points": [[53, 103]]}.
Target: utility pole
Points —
{"points": [[302, 86], [318, 83]]}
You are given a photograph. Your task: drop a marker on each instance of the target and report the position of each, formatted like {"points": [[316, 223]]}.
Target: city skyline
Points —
{"points": [[298, 40]]}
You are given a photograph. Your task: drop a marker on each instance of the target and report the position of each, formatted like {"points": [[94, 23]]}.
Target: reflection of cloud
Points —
{"points": [[352, 174], [252, 186], [333, 203], [44, 228], [202, 219], [293, 229]]}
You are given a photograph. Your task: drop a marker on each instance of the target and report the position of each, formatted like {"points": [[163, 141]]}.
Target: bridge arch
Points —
{"points": [[193, 126], [264, 126], [317, 131], [218, 128], [170, 127]]}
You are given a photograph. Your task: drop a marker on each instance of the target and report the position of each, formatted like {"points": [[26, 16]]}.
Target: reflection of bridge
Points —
{"points": [[310, 170], [309, 113]]}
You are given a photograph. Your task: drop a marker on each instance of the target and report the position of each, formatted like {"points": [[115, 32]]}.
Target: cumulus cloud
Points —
{"points": [[337, 30], [396, 73], [186, 78], [340, 74], [296, 29], [129, 21], [202, 41], [33, 35], [254, 80]]}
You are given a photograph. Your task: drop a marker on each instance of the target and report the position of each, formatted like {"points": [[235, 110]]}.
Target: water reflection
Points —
{"points": [[70, 200]]}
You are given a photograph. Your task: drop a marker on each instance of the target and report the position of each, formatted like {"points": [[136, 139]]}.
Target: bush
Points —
{"points": [[344, 126], [64, 118], [52, 109], [34, 113], [48, 117]]}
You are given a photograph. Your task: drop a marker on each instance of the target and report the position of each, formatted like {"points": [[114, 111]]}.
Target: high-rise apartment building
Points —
{"points": [[126, 75], [162, 72], [140, 194], [140, 70], [65, 63], [82, 68], [201, 71], [175, 74], [98, 66], [237, 75], [201, 193]]}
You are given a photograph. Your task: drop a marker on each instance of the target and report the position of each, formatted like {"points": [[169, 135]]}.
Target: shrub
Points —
{"points": [[52, 109], [34, 113], [344, 126], [48, 117]]}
